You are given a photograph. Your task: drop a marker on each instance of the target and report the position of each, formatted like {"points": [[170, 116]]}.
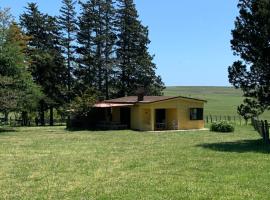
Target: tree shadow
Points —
{"points": [[6, 131], [241, 146]]}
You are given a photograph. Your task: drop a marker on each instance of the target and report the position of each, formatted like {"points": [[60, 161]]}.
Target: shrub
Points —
{"points": [[223, 127]]}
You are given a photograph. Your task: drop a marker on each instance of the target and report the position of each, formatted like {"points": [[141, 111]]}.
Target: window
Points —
{"points": [[196, 114]]}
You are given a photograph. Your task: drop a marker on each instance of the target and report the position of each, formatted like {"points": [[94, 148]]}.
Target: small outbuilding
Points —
{"points": [[151, 113]]}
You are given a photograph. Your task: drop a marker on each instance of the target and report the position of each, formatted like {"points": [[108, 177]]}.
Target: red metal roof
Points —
{"points": [[110, 105], [148, 99]]}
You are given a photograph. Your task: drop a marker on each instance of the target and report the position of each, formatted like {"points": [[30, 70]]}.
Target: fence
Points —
{"points": [[262, 127], [216, 118]]}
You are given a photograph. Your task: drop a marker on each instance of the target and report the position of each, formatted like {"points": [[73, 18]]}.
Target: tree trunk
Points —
{"points": [[42, 113], [107, 83], [24, 118], [51, 116], [69, 76], [6, 117]]}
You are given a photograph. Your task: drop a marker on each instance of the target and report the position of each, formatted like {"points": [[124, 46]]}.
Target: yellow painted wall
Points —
{"points": [[177, 109], [143, 115], [145, 119], [135, 118], [171, 118], [184, 121]]}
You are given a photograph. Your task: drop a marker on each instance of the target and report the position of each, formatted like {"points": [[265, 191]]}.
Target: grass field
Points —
{"points": [[51, 163], [221, 100]]}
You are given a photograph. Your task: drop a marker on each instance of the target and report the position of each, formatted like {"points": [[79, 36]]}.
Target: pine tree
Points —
{"points": [[97, 40], [46, 60], [68, 24], [86, 71], [251, 42], [136, 65], [109, 40]]}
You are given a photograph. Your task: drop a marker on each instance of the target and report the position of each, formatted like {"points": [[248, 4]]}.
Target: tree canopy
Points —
{"points": [[50, 63], [18, 91], [251, 43]]}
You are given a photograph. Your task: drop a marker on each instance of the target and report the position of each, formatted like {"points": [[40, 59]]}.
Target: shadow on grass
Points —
{"points": [[5, 131], [241, 146], [94, 130]]}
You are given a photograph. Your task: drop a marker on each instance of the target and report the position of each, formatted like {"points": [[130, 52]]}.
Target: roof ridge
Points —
{"points": [[148, 99]]}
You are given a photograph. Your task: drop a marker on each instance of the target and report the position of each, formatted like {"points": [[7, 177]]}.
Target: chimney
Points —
{"points": [[140, 94]]}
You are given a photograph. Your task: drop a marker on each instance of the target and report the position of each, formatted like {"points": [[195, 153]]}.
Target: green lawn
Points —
{"points": [[51, 163], [221, 100]]}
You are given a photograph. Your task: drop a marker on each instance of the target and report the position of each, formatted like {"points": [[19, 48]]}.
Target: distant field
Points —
{"points": [[221, 100]]}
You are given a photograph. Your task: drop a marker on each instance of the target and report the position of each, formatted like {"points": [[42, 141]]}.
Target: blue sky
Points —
{"points": [[190, 39]]}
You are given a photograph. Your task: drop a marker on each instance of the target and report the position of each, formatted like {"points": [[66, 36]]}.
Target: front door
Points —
{"points": [[125, 116]]}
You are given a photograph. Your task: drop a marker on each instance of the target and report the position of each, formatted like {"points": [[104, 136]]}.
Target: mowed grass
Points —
{"points": [[52, 163], [221, 100]]}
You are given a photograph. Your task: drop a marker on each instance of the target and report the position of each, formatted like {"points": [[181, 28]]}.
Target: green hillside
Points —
{"points": [[221, 100]]}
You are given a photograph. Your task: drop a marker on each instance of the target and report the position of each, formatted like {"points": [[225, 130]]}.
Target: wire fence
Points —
{"points": [[236, 119]]}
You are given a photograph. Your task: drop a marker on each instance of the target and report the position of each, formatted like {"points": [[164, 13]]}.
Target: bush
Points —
{"points": [[223, 127]]}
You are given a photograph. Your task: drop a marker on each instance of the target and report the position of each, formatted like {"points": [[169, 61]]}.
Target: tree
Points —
{"points": [[18, 93], [83, 103], [136, 65], [67, 22], [109, 41], [250, 109], [96, 38], [46, 60], [251, 42], [86, 72]]}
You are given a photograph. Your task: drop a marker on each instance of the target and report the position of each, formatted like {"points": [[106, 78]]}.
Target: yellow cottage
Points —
{"points": [[152, 113]]}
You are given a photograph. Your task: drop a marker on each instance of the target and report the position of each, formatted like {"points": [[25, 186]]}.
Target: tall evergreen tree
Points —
{"points": [[86, 72], [97, 40], [68, 24], [136, 65], [251, 42], [109, 40], [46, 60]]}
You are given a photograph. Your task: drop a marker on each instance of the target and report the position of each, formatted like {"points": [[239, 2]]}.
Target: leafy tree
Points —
{"points": [[250, 109], [18, 93], [251, 42], [68, 24], [83, 103], [136, 65], [46, 60]]}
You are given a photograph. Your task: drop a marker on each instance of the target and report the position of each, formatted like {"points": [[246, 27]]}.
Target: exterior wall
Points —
{"points": [[145, 119], [135, 118], [184, 122], [177, 114], [177, 109], [141, 118], [171, 119]]}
